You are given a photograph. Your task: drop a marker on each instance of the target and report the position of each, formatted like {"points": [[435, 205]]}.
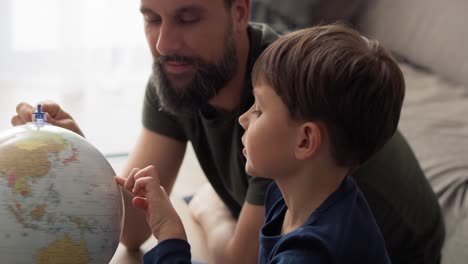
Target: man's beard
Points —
{"points": [[207, 80]]}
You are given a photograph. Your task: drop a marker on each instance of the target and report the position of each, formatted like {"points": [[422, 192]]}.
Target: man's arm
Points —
{"points": [[243, 245], [228, 241], [166, 155]]}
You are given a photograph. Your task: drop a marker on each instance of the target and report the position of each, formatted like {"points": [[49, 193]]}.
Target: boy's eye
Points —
{"points": [[257, 112]]}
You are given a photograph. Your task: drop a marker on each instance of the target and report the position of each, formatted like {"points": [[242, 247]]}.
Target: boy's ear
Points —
{"points": [[309, 140]]}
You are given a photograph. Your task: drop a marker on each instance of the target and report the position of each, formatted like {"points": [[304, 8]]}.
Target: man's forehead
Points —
{"points": [[154, 6]]}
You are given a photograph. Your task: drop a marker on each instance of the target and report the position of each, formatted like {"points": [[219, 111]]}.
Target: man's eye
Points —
{"points": [[152, 20], [188, 18]]}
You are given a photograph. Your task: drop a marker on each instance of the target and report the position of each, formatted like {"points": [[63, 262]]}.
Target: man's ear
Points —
{"points": [[309, 140], [240, 14]]}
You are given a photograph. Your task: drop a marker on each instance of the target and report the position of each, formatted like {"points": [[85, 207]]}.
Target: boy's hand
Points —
{"points": [[151, 197], [54, 114]]}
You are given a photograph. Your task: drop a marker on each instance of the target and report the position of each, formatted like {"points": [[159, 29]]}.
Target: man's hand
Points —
{"points": [[151, 197], [54, 114]]}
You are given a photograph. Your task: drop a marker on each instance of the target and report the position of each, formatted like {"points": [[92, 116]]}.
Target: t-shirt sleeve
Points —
{"points": [[174, 251], [256, 190], [158, 120]]}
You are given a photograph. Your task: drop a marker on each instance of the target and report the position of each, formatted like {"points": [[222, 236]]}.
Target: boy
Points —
{"points": [[326, 99]]}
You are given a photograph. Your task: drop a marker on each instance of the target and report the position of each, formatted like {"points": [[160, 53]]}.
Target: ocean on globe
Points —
{"points": [[59, 202]]}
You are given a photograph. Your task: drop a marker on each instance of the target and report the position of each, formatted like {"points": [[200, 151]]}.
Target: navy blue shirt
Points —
{"points": [[341, 230], [174, 251]]}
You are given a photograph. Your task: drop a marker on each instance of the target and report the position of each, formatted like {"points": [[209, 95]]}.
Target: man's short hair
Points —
{"points": [[333, 74]]}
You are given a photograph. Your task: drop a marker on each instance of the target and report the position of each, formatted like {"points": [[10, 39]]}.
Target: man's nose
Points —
{"points": [[169, 40]]}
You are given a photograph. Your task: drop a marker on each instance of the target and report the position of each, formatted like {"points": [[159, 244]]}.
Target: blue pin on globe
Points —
{"points": [[59, 202]]}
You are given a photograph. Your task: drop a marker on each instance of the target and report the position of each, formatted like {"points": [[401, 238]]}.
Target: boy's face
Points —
{"points": [[194, 49], [270, 135]]}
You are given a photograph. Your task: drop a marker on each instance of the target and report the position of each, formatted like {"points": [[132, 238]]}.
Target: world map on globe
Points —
{"points": [[59, 202]]}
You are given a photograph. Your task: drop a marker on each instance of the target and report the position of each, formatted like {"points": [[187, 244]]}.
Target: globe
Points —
{"points": [[59, 202]]}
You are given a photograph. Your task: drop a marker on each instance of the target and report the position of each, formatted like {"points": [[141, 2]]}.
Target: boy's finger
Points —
{"points": [[120, 180], [130, 181], [148, 171], [140, 202], [140, 187]]}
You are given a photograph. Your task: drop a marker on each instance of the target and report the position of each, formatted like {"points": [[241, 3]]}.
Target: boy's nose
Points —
{"points": [[243, 120]]}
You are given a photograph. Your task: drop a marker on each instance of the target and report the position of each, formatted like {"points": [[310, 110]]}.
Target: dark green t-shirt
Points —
{"points": [[401, 199], [217, 140]]}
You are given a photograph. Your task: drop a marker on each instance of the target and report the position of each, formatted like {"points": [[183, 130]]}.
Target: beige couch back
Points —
{"points": [[429, 33]]}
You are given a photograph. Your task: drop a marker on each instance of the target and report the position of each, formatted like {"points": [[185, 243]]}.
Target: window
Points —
{"points": [[87, 55]]}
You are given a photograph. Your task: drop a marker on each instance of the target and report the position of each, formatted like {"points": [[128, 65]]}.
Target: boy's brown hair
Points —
{"points": [[332, 74]]}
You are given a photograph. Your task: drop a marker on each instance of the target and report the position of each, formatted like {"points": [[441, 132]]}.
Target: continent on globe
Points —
{"points": [[59, 252], [28, 157], [59, 202]]}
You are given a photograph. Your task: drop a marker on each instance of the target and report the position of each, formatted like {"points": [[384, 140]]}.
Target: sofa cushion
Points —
{"points": [[435, 121], [285, 16], [430, 33]]}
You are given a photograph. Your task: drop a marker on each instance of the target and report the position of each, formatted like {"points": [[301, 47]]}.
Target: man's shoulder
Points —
{"points": [[261, 34], [396, 159], [399, 196]]}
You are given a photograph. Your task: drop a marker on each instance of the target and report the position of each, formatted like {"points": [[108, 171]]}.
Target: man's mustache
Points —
{"points": [[175, 58]]}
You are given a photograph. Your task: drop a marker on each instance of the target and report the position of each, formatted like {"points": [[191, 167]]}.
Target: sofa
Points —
{"points": [[429, 38]]}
